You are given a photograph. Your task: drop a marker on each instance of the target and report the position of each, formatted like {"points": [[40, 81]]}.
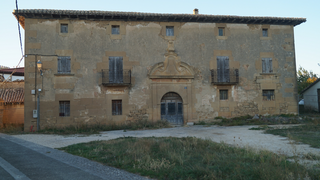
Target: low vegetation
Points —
{"points": [[91, 128], [249, 120], [11, 128], [190, 158]]}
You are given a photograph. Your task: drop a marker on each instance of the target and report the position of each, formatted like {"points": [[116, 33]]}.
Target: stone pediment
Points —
{"points": [[172, 67]]}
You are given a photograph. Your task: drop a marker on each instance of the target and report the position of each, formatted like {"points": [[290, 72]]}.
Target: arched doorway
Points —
{"points": [[172, 108]]}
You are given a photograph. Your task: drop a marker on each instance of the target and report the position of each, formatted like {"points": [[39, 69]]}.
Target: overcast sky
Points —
{"points": [[307, 35]]}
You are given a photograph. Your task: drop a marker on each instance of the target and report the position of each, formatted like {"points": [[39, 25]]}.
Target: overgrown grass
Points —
{"points": [[247, 120], [307, 133], [93, 128], [11, 128], [190, 158]]}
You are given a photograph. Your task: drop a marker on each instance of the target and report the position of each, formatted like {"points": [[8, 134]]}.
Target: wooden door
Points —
{"points": [[172, 108]]}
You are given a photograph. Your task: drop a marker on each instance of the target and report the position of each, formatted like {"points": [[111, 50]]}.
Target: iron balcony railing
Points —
{"points": [[116, 78], [227, 76]]}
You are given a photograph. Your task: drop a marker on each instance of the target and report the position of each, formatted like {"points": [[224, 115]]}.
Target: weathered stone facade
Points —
{"points": [[158, 64]]}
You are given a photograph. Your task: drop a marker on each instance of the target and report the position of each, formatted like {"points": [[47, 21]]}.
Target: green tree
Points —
{"points": [[305, 78]]}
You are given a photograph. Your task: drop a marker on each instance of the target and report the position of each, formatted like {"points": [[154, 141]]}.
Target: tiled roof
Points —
{"points": [[160, 17], [305, 89], [12, 95], [18, 71]]}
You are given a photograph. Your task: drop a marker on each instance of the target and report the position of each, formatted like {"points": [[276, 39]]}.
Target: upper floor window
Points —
{"points": [[115, 69], [221, 31], [64, 64], [267, 65], [64, 108], [115, 29], [170, 31], [268, 95], [223, 69], [264, 32], [64, 28], [223, 94]]}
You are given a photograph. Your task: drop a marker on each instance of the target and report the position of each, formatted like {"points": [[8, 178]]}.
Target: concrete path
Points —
{"points": [[25, 160]]}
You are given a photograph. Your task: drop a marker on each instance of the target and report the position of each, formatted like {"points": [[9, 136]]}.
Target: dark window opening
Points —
{"points": [[64, 108], [264, 32], [267, 65], [64, 63], [115, 29], [163, 109], [171, 108], [64, 28], [116, 107], [179, 108], [223, 94], [221, 31], [169, 31], [268, 95]]}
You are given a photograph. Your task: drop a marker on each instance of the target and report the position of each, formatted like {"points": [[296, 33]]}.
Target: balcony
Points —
{"points": [[116, 78], [225, 77]]}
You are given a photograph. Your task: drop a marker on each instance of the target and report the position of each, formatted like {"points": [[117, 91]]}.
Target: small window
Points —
{"points": [[267, 65], [169, 31], [116, 107], [221, 31], [264, 32], [223, 94], [115, 29], [64, 108], [64, 63], [268, 95], [64, 28]]}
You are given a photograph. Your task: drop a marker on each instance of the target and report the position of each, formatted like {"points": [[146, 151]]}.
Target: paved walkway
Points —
{"points": [[20, 159]]}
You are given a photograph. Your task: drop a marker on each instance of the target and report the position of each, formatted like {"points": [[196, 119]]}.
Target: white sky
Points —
{"points": [[306, 34]]}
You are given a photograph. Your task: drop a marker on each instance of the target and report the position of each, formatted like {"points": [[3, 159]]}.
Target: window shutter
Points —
{"points": [[59, 65], [111, 69], [270, 65], [120, 69], [263, 65], [68, 64], [226, 69], [67, 109], [219, 68]]}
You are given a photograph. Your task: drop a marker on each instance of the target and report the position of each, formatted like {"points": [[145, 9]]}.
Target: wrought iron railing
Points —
{"points": [[116, 78], [227, 76]]}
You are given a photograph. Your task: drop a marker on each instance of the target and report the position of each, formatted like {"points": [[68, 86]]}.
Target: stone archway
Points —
{"points": [[172, 108]]}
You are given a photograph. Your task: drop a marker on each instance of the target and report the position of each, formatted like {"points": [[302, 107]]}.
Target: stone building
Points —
{"points": [[103, 66]]}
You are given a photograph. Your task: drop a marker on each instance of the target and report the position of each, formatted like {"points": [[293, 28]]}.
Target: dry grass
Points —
{"points": [[190, 158]]}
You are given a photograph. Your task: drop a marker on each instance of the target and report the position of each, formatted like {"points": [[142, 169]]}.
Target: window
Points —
{"points": [[223, 94], [64, 64], [169, 31], [64, 28], [268, 95], [267, 65], [223, 69], [264, 32], [116, 107], [221, 31], [171, 108], [115, 29], [179, 108], [64, 108], [115, 69]]}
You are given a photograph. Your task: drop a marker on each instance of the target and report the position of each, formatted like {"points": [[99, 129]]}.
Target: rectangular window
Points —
{"points": [[64, 108], [169, 31], [115, 29], [221, 31], [267, 65], [64, 64], [223, 73], [268, 95], [179, 108], [116, 107], [223, 94], [115, 69], [264, 32], [64, 28], [171, 108]]}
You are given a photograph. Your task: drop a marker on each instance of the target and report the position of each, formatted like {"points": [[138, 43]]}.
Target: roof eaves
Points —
{"points": [[305, 89]]}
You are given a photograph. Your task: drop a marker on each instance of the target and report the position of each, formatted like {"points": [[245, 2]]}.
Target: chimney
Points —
{"points": [[195, 11]]}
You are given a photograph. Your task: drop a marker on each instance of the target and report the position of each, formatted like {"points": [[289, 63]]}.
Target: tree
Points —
{"points": [[305, 78]]}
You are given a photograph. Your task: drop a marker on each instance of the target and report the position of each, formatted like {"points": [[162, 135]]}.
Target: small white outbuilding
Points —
{"points": [[311, 95]]}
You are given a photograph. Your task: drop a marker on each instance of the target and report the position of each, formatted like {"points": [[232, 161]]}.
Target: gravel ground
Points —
{"points": [[234, 135]]}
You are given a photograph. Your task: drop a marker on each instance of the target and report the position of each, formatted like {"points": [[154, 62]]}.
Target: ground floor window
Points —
{"points": [[116, 107], [64, 108], [223, 94], [268, 95]]}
